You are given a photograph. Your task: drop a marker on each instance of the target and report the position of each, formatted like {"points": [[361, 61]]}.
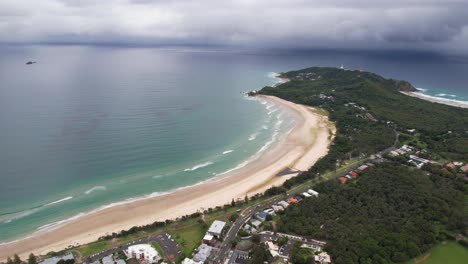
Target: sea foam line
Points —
{"points": [[96, 188], [59, 201], [199, 166], [227, 151]]}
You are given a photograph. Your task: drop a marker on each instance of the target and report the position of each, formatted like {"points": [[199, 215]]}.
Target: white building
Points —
{"points": [[323, 258], [144, 253], [190, 261], [314, 193], [216, 228], [283, 203]]}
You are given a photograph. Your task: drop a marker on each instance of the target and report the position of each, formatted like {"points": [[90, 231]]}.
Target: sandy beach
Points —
{"points": [[433, 99], [300, 149]]}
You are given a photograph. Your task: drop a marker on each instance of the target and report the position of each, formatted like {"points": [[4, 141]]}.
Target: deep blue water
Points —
{"points": [[89, 126]]}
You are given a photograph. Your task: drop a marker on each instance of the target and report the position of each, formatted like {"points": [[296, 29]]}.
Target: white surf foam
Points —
{"points": [[96, 188], [253, 136], [448, 101], [227, 151], [199, 166], [446, 95], [59, 201]]}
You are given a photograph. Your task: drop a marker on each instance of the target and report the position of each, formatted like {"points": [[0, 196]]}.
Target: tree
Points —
{"points": [[269, 217], [9, 261], [301, 255], [256, 239], [283, 241], [32, 259], [233, 203], [16, 259]]}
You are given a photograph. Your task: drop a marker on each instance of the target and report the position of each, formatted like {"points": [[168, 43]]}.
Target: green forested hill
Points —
{"points": [[442, 128]]}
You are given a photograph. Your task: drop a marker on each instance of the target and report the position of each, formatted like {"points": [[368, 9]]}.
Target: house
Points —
{"points": [[145, 253], [292, 200], [284, 204], [306, 194], [362, 168], [111, 260], [343, 180], [322, 258], [208, 238], [238, 257], [314, 193], [451, 166], [277, 208], [203, 253], [348, 177], [273, 248], [255, 223], [464, 168], [262, 215], [190, 261], [353, 174], [216, 229], [270, 212]]}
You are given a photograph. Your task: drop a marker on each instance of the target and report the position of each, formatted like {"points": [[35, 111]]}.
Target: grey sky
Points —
{"points": [[375, 24]]}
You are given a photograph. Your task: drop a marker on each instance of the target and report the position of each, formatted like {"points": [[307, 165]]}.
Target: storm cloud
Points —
{"points": [[306, 24]]}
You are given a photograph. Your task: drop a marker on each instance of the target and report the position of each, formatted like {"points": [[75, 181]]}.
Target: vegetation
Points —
{"points": [[301, 255], [391, 214], [450, 252]]}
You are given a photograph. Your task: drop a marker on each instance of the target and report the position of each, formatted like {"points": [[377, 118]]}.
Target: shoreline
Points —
{"points": [[305, 143], [433, 99]]}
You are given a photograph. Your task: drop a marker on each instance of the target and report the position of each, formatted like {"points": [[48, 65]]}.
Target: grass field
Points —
{"points": [[189, 238], [448, 253]]}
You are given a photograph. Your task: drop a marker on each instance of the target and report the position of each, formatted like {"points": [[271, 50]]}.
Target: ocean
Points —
{"points": [[89, 127]]}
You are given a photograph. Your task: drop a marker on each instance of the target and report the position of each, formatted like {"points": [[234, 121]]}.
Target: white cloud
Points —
{"points": [[412, 24]]}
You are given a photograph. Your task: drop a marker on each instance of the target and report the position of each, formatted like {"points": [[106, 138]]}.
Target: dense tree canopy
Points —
{"points": [[390, 214]]}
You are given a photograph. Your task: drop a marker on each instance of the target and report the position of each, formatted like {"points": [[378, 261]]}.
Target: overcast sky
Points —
{"points": [[439, 25]]}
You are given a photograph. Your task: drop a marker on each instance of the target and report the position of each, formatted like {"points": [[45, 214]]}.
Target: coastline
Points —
{"points": [[300, 148], [450, 102]]}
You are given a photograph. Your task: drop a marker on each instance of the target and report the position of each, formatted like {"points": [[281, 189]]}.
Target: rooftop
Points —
{"points": [[217, 227]]}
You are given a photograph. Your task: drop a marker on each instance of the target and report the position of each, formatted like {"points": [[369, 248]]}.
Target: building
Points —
{"points": [[353, 174], [255, 223], [273, 248], [464, 168], [284, 204], [208, 238], [322, 258], [238, 257], [262, 215], [277, 208], [343, 180], [203, 253], [313, 192], [306, 194], [54, 260], [292, 200], [362, 168], [190, 261], [108, 260], [216, 229], [145, 253]]}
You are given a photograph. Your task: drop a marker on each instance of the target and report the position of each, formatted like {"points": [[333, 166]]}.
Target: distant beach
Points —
{"points": [[305, 143], [434, 99]]}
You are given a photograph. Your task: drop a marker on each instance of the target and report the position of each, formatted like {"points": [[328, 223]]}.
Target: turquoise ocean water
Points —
{"points": [[89, 127]]}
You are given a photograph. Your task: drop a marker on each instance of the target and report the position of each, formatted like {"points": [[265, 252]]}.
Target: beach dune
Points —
{"points": [[299, 149]]}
